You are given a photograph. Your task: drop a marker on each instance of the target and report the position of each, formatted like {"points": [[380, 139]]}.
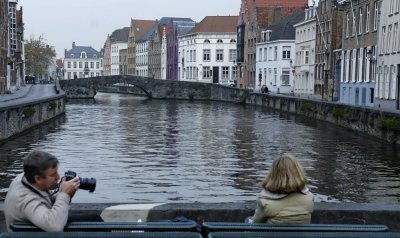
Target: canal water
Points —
{"points": [[144, 151]]}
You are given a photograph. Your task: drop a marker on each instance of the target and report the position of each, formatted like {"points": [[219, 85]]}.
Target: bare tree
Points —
{"points": [[38, 56]]}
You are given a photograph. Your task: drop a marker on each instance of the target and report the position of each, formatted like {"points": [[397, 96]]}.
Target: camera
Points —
{"points": [[86, 183]]}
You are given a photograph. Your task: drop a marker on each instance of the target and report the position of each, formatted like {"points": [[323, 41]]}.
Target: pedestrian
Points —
{"points": [[285, 198], [30, 197]]}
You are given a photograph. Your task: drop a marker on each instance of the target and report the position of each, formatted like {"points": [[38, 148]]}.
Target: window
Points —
{"points": [[83, 55], [74, 65], [275, 52], [206, 72], [347, 25], [80, 65], [354, 29], [275, 76], [389, 36], [225, 72], [383, 39], [265, 54], [91, 65], [285, 76], [234, 72], [391, 6], [360, 17], [260, 54], [69, 65], [376, 11], [232, 55], [206, 55], [97, 65], [367, 19], [306, 57], [69, 75], [395, 37], [286, 52], [220, 55]]}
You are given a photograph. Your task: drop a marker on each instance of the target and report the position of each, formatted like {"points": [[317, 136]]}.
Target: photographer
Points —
{"points": [[29, 198]]}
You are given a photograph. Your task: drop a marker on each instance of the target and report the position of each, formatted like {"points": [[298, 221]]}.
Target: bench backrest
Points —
{"points": [[115, 226], [100, 235], [231, 226], [273, 234]]}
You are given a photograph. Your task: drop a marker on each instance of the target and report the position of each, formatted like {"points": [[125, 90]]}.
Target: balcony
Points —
{"points": [[304, 68]]}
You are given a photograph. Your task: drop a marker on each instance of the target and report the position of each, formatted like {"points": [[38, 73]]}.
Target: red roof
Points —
{"points": [[276, 3], [216, 24]]}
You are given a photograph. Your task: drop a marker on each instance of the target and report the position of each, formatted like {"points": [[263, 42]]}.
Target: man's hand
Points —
{"points": [[70, 187]]}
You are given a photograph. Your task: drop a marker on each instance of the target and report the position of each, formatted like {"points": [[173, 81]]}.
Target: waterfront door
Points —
{"points": [[215, 74]]}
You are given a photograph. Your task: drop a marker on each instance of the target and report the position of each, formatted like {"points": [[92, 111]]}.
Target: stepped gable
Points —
{"points": [[216, 24]]}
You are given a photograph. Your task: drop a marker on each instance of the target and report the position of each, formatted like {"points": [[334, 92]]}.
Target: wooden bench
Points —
{"points": [[100, 235], [115, 226]]}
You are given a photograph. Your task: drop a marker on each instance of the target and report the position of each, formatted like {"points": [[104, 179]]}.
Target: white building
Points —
{"points": [[119, 41], [388, 72], [275, 56], [142, 52], [82, 62], [164, 45], [208, 52], [305, 55]]}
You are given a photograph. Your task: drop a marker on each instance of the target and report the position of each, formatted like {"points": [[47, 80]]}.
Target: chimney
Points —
{"points": [[65, 51], [73, 44]]}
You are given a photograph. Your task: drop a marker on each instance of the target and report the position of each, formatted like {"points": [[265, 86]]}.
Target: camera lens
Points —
{"points": [[88, 184]]}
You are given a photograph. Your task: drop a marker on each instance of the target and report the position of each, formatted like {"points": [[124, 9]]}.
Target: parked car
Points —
{"points": [[228, 83]]}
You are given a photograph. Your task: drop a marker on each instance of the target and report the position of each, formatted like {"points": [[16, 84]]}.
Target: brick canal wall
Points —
{"points": [[326, 213], [19, 118]]}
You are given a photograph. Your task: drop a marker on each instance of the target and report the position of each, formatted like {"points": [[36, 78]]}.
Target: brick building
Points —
{"points": [[3, 44], [254, 16]]}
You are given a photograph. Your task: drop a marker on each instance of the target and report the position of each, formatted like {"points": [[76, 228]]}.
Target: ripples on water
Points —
{"points": [[165, 151]]}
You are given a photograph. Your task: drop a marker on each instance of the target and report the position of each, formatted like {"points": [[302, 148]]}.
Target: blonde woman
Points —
{"points": [[285, 198]]}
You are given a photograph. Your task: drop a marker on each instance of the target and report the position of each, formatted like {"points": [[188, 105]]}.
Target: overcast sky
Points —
{"points": [[87, 22]]}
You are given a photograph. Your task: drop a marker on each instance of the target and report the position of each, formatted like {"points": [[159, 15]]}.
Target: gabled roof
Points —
{"points": [[284, 29], [75, 52], [216, 24], [120, 35], [141, 27], [148, 35]]}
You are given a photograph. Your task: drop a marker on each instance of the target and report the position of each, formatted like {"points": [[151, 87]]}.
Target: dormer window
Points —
{"points": [[83, 55], [72, 56], [265, 35], [219, 41], [206, 41], [95, 56]]}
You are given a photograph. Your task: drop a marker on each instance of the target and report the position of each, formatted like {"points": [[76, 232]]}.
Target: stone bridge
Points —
{"points": [[152, 88]]}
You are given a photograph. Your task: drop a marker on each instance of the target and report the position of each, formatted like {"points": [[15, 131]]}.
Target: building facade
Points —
{"points": [[208, 52], [123, 62], [107, 57], [305, 55], [82, 62], [360, 27], [275, 56], [154, 51], [137, 29], [256, 15], [328, 39], [388, 62], [3, 45], [174, 28], [119, 41]]}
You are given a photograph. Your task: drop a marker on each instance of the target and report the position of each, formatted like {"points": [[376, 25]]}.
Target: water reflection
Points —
{"points": [[164, 151]]}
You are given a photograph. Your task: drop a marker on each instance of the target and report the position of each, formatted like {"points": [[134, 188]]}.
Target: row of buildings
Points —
{"points": [[11, 45]]}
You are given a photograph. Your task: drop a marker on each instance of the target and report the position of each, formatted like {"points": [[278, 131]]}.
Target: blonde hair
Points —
{"points": [[285, 176]]}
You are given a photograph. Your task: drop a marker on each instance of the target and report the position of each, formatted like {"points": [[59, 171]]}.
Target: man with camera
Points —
{"points": [[30, 197]]}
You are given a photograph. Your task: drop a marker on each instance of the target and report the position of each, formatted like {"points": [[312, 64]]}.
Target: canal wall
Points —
{"points": [[380, 124], [324, 213], [18, 118]]}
